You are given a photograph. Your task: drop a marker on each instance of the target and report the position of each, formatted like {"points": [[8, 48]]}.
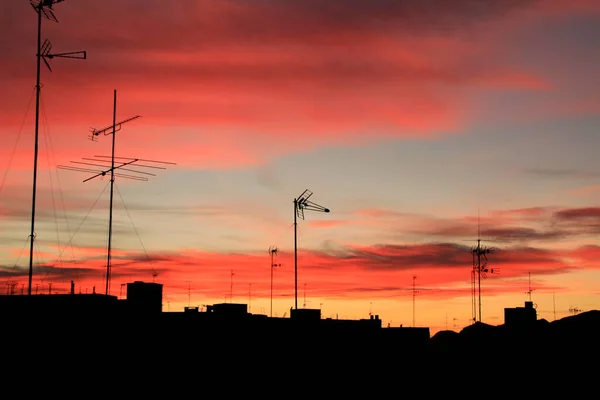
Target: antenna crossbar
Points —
{"points": [[108, 161], [139, 159], [112, 128]]}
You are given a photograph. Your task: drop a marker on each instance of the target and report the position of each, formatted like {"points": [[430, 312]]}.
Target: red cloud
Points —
{"points": [[229, 81], [350, 272]]}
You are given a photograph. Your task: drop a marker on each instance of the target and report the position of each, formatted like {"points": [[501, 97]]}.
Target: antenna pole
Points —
{"points": [[301, 203], [473, 301], [414, 298], [554, 306], [272, 251], [112, 182], [271, 283], [295, 254], [250, 297], [43, 53], [35, 149], [529, 292], [304, 296], [231, 288], [479, 274]]}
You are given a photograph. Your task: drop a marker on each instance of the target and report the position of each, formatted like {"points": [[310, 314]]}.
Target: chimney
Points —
{"points": [[72, 287]]}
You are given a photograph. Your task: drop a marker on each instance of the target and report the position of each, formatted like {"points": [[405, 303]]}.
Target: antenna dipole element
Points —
{"points": [[42, 8], [302, 203]]}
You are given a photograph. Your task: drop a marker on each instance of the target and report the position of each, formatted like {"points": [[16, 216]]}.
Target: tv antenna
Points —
{"points": [[530, 289], [479, 270], [302, 203], [272, 252], [109, 163], [574, 310], [43, 8]]}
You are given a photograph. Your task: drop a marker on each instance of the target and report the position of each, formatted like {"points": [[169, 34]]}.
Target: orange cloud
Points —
{"points": [[344, 272]]}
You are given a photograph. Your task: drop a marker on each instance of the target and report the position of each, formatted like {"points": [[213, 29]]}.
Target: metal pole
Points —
{"points": [[35, 151], [271, 284], [112, 182], [414, 295], [479, 275], [295, 255]]}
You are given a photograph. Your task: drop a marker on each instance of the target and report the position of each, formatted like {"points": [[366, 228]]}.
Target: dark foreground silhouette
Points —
{"points": [[227, 337]]}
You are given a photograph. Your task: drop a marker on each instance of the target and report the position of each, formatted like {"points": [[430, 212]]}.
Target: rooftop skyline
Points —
{"points": [[417, 125]]}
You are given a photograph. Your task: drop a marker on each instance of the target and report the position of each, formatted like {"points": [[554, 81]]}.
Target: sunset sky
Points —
{"points": [[414, 121]]}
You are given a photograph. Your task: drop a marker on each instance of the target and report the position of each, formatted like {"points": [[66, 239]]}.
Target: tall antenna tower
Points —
{"points": [[272, 252], [101, 161], [43, 8], [530, 289], [478, 271], [302, 203]]}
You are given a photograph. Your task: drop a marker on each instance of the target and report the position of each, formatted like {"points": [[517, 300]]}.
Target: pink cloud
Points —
{"points": [[268, 71]]}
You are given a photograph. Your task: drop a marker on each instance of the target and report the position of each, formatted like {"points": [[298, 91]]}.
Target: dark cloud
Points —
{"points": [[448, 256], [140, 26], [578, 214], [508, 234], [208, 22], [504, 226], [50, 272]]}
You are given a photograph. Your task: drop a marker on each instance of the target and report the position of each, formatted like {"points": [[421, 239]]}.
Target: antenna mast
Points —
{"points": [[304, 296], [272, 252], [42, 8], [112, 130], [231, 288], [301, 203], [112, 182], [530, 289], [189, 293], [414, 298], [479, 270]]}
